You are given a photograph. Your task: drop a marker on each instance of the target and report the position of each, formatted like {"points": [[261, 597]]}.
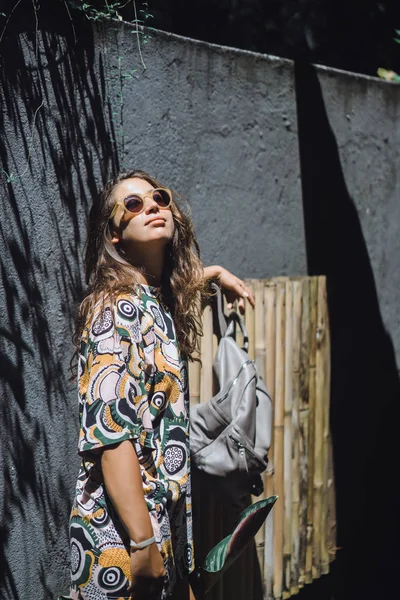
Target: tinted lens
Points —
{"points": [[133, 203], [162, 197]]}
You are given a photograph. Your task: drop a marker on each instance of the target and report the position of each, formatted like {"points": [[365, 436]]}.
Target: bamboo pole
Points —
{"points": [[259, 327], [324, 370], [318, 435], [330, 522], [249, 320], [206, 352], [238, 333], [260, 353], [311, 435], [270, 330], [278, 512], [331, 515], [304, 378], [287, 440], [330, 531], [194, 382], [295, 466], [194, 373]]}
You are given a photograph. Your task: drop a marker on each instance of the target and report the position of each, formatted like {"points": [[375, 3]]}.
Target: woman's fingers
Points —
{"points": [[234, 289], [241, 306], [241, 293], [148, 573], [248, 294]]}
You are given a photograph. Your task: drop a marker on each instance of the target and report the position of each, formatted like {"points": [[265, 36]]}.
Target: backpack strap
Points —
{"points": [[220, 323], [225, 324], [233, 318]]}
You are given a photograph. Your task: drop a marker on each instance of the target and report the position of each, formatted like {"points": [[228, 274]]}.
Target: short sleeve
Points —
{"points": [[113, 386]]}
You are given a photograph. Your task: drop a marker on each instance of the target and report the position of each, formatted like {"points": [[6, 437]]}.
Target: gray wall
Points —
{"points": [[218, 125]]}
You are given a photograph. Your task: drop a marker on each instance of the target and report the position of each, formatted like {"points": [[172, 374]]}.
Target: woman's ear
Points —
{"points": [[114, 236]]}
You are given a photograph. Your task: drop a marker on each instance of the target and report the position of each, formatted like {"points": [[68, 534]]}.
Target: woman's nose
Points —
{"points": [[150, 203]]}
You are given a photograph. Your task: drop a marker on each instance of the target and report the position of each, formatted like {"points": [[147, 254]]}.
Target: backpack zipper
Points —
{"points": [[232, 383], [242, 454]]}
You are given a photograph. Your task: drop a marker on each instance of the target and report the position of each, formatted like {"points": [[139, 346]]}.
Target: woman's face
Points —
{"points": [[154, 226]]}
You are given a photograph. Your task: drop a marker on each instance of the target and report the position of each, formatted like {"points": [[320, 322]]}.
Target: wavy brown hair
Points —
{"points": [[107, 273]]}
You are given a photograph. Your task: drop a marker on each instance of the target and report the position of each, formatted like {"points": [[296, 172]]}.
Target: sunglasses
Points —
{"points": [[134, 203]]}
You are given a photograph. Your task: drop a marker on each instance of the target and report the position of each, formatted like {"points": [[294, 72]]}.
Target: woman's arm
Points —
{"points": [[233, 287], [123, 482]]}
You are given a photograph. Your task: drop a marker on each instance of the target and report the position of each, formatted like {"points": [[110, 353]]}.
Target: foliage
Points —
{"points": [[132, 11], [388, 75], [95, 11]]}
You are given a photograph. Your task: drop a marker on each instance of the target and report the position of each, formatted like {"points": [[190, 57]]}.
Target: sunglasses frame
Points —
{"points": [[143, 197]]}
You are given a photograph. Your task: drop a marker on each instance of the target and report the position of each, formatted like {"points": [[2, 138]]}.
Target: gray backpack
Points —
{"points": [[230, 434]]}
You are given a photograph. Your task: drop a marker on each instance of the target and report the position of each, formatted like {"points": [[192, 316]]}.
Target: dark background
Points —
{"points": [[346, 34]]}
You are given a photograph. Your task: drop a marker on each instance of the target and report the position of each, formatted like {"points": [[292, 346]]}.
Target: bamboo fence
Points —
{"points": [[289, 341]]}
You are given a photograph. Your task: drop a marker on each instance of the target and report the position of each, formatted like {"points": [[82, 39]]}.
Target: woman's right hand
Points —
{"points": [[148, 573]]}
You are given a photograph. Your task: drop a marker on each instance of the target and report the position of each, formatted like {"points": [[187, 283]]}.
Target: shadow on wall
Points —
{"points": [[54, 70], [365, 384]]}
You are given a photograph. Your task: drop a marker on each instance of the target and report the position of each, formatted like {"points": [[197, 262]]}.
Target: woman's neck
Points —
{"points": [[149, 278], [148, 260], [150, 267]]}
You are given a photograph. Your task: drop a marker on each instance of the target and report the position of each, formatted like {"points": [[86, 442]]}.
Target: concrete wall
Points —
{"points": [[288, 171]]}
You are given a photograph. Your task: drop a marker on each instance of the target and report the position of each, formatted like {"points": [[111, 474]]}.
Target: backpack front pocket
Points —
{"points": [[248, 459]]}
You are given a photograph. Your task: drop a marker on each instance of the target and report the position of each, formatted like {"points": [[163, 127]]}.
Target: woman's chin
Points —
{"points": [[156, 239]]}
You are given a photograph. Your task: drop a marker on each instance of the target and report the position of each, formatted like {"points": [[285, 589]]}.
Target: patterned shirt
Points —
{"points": [[133, 385]]}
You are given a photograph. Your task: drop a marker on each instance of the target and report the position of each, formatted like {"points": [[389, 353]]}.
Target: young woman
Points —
{"points": [[131, 521]]}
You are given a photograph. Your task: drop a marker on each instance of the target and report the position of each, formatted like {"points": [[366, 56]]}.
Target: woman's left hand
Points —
{"points": [[233, 287]]}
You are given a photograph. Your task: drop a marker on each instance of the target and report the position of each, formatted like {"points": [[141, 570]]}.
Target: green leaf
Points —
{"points": [[228, 549], [215, 559]]}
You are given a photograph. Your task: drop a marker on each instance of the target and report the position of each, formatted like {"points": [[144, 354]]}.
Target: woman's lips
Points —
{"points": [[158, 220]]}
